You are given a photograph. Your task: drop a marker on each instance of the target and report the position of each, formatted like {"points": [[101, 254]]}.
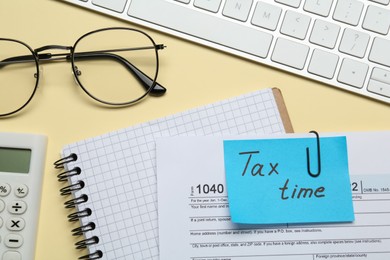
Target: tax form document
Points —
{"points": [[194, 220]]}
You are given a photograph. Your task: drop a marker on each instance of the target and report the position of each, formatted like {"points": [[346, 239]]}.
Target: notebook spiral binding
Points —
{"points": [[73, 203]]}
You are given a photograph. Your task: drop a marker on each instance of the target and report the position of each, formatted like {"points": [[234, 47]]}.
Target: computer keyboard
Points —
{"points": [[343, 43]]}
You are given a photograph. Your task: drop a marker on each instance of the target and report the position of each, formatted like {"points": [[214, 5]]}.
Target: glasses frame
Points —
{"points": [[151, 85], [35, 60]]}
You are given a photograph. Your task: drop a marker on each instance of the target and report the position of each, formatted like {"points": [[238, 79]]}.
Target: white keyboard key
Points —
{"points": [[295, 24], [290, 53], [384, 2], [324, 34], [380, 82], [183, 1], [377, 20], [354, 43], [320, 7], [237, 9], [353, 73], [348, 11], [323, 63], [381, 75], [380, 51], [258, 45], [209, 5], [379, 88], [292, 3], [113, 5], [266, 16]]}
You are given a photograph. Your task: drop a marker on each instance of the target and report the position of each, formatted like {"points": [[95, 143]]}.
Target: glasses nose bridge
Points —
{"points": [[48, 57], [53, 47], [53, 56]]}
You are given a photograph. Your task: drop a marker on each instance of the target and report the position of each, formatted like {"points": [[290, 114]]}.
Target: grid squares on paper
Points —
{"points": [[118, 169]]}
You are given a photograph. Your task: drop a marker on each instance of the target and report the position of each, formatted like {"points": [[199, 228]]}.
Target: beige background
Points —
{"points": [[194, 75]]}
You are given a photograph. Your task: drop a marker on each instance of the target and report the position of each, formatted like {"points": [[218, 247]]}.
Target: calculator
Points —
{"points": [[22, 159]]}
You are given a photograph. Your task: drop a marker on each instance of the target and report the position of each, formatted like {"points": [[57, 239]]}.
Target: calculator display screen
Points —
{"points": [[15, 160]]}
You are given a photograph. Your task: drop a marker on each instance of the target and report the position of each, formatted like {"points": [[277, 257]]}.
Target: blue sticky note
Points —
{"points": [[268, 181]]}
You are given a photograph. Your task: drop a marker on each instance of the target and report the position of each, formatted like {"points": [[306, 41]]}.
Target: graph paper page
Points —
{"points": [[118, 169]]}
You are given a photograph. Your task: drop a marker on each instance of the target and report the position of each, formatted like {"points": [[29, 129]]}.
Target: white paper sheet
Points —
{"points": [[194, 220]]}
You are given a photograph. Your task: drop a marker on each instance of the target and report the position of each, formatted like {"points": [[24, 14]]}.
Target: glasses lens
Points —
{"points": [[18, 76], [116, 66]]}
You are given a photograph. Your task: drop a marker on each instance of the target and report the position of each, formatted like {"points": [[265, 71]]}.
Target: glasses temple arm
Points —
{"points": [[17, 59], [145, 80]]}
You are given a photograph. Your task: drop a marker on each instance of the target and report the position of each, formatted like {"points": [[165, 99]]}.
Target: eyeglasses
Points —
{"points": [[114, 66]]}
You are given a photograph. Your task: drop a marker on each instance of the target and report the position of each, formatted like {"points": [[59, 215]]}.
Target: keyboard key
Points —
{"points": [[237, 9], [381, 75], [379, 88], [354, 43], [258, 45], [209, 5], [384, 2], [353, 73], [377, 20], [292, 3], [320, 7], [290, 53], [380, 52], [380, 82], [266, 16], [348, 11], [324, 34], [295, 25], [323, 63], [113, 5], [183, 1]]}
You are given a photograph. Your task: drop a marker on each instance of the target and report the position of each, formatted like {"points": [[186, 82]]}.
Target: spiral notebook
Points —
{"points": [[111, 178]]}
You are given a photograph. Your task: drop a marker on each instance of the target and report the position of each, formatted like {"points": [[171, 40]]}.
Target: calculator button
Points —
{"points": [[2, 205], [12, 255], [15, 224], [21, 190], [5, 189], [17, 207], [1, 224], [13, 241]]}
